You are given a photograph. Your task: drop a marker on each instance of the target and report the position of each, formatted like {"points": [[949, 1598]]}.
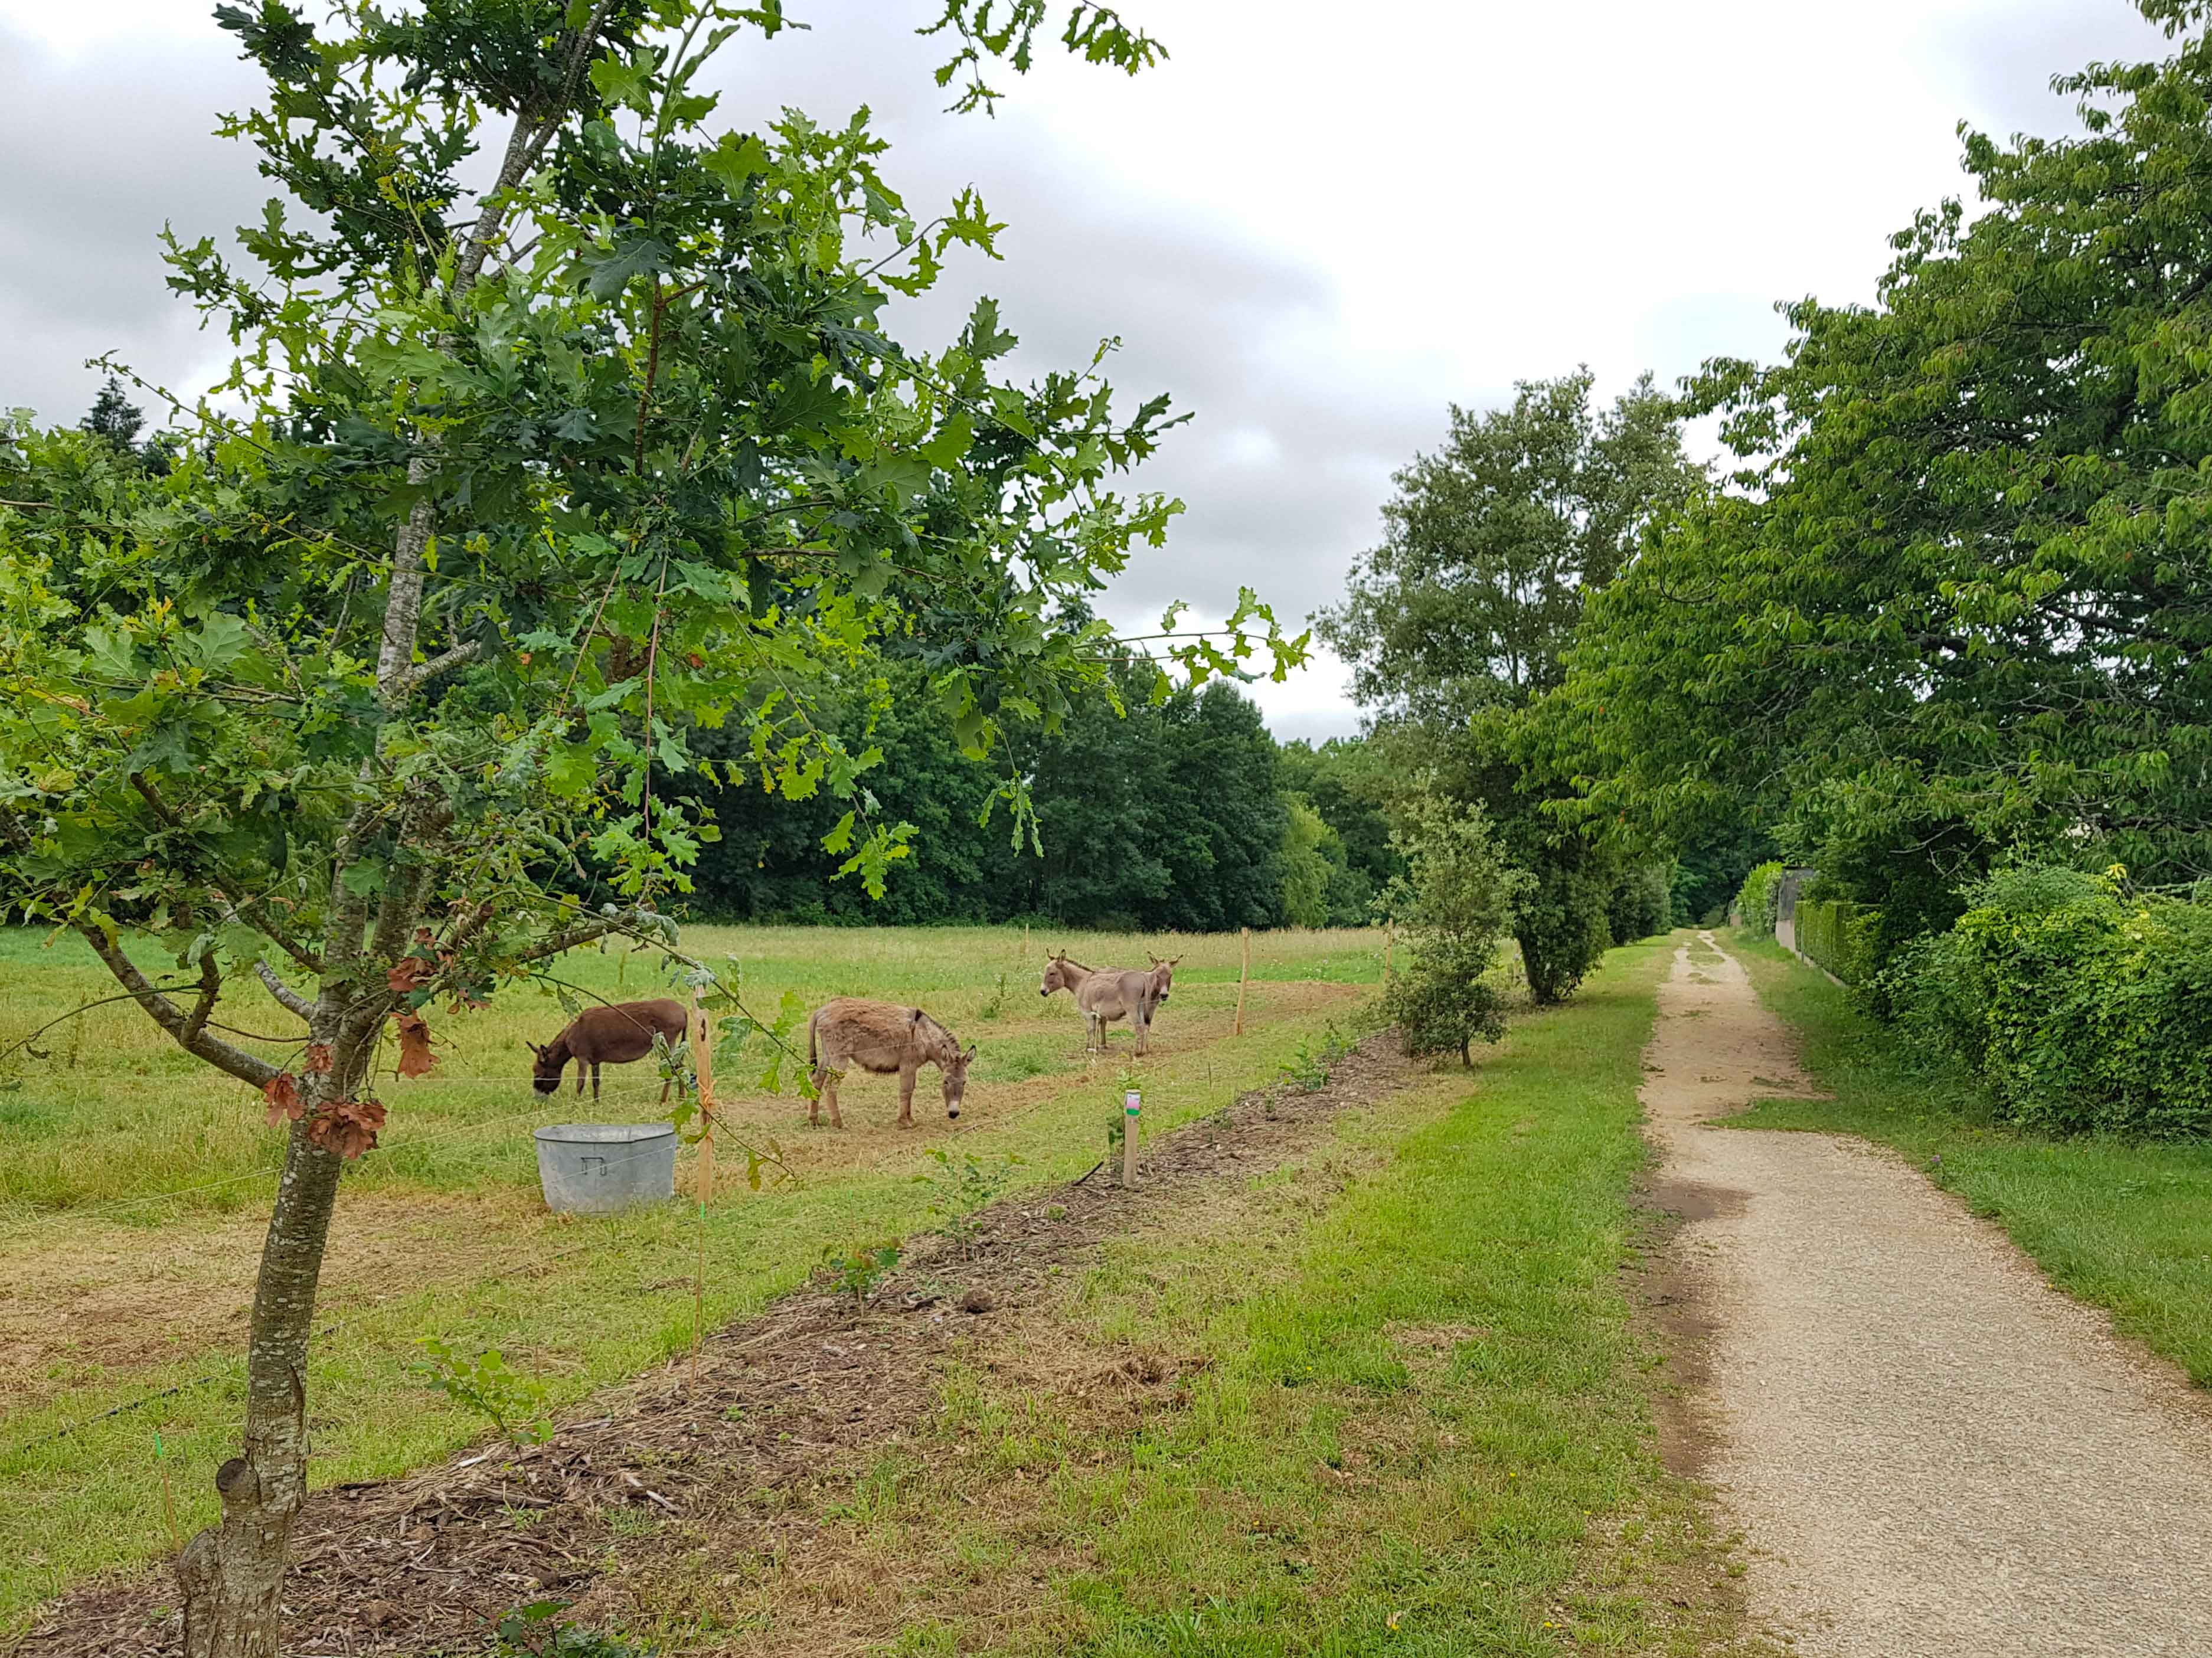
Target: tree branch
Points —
{"points": [[299, 952], [246, 1067], [210, 993], [583, 933], [466, 928], [411, 680], [289, 998]]}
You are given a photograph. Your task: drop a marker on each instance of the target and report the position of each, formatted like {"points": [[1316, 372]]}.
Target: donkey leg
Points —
{"points": [[595, 1082], [814, 1105], [906, 1095]]}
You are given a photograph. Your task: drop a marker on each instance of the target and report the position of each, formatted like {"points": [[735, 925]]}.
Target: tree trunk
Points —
{"points": [[232, 1574]]}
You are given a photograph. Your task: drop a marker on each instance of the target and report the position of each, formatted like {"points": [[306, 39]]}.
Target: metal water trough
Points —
{"points": [[599, 1167]]}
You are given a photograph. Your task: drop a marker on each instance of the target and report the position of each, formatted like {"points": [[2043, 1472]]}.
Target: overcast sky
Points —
{"points": [[1314, 232]]}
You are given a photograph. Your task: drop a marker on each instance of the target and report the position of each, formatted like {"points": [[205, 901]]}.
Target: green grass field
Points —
{"points": [[133, 1182], [2124, 1225], [1390, 1399]]}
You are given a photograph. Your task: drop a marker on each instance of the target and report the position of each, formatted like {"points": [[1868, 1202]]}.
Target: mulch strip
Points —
{"points": [[430, 1562]]}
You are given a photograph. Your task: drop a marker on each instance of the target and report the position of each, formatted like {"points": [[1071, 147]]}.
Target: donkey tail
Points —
{"points": [[813, 1057]]}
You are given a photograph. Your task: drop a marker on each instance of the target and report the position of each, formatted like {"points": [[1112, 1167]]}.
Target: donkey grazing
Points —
{"points": [[608, 1036], [1103, 994], [881, 1037]]}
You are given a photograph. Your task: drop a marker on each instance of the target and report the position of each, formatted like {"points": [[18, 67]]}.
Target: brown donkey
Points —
{"points": [[1105, 994], [608, 1036], [881, 1037]]}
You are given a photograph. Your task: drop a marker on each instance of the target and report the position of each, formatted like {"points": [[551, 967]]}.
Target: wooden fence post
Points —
{"points": [[1243, 974], [1132, 1105], [702, 1067]]}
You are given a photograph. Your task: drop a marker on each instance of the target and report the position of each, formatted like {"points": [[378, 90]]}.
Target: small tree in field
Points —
{"points": [[347, 709], [1455, 905]]}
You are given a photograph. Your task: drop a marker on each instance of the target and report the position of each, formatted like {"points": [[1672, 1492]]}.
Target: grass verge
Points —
{"points": [[1385, 1398], [2125, 1225]]}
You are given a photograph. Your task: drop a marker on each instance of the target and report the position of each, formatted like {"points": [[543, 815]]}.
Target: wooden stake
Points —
{"points": [[1132, 1105], [1243, 974], [702, 1066], [1389, 940]]}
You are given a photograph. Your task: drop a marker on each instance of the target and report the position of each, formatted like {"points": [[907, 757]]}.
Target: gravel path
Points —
{"points": [[1929, 1450]]}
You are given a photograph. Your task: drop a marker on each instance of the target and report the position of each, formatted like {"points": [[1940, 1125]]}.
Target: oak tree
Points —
{"points": [[564, 423]]}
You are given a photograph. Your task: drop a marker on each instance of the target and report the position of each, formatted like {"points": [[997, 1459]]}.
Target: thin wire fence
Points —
{"points": [[233, 1372]]}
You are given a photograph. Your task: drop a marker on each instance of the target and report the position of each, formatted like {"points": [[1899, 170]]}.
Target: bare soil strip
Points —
{"points": [[430, 1562], [1934, 1454]]}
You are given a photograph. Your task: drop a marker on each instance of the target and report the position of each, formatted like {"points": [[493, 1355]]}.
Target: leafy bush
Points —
{"points": [[1454, 905], [1757, 901], [962, 1189], [856, 1271], [2082, 1006], [1843, 937], [512, 1400], [1312, 1066], [1560, 919], [1642, 903], [536, 1632]]}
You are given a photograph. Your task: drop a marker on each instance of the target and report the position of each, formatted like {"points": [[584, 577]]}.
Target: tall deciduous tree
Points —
{"points": [[533, 482], [1458, 622], [1167, 818], [1959, 600]]}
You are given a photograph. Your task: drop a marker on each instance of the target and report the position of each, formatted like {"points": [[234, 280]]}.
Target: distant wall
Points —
{"points": [[1794, 882]]}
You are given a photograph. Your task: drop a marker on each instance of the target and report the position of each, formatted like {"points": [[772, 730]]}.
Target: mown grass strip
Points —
{"points": [[2125, 1225], [1503, 1226], [1420, 1425]]}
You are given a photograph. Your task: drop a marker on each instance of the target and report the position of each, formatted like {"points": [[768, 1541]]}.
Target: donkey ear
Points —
{"points": [[969, 1054], [1172, 960], [533, 1047], [915, 1015]]}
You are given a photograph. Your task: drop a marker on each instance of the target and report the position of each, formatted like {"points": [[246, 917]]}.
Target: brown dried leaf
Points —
{"points": [[282, 1093], [416, 1058], [347, 1127], [318, 1059]]}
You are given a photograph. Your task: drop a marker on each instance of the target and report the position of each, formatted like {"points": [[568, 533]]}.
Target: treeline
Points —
{"points": [[1182, 815], [1940, 631]]}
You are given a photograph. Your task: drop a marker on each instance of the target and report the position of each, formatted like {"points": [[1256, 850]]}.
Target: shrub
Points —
{"points": [[1843, 937], [1561, 921], [1454, 905], [2082, 1006], [1642, 903], [856, 1271], [965, 1188], [1756, 901], [512, 1400]]}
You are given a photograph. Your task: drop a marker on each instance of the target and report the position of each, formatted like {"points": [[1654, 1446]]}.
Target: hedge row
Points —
{"points": [[2082, 1007], [1842, 937], [1758, 898]]}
